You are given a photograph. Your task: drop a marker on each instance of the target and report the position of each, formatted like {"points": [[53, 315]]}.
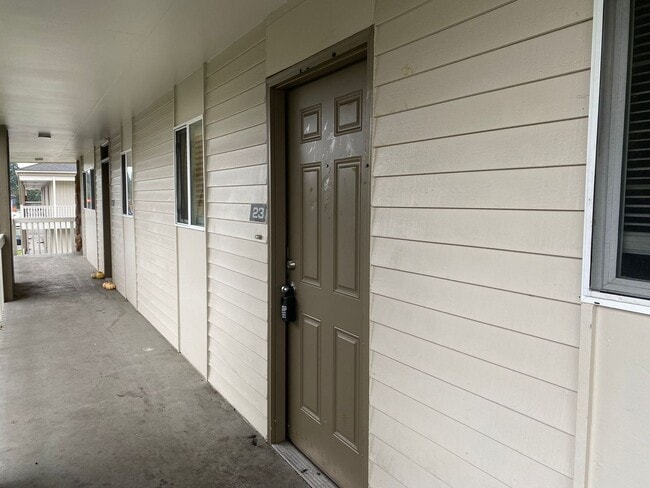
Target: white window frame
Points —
{"points": [[589, 295], [186, 125], [124, 181]]}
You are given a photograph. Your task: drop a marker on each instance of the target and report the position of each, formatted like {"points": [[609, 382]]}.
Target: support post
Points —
{"points": [[5, 216]]}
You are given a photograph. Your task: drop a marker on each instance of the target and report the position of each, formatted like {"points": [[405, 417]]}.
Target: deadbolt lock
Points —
{"points": [[291, 265]]}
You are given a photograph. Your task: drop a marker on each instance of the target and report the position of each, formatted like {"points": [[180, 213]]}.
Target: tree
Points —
{"points": [[13, 181]]}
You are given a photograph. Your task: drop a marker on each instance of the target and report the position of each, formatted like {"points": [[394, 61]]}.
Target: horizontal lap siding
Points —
{"points": [[155, 228], [236, 155], [479, 150], [99, 206], [117, 235]]}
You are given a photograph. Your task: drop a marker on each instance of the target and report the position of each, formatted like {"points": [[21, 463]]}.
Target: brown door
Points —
{"points": [[328, 207]]}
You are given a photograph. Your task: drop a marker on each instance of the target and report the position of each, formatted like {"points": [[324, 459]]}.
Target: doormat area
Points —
{"points": [[307, 470]]}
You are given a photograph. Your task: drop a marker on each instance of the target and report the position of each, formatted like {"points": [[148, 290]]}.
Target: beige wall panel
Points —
{"points": [[543, 101], [239, 281], [552, 448], [550, 144], [130, 278], [521, 189], [240, 395], [249, 58], [545, 360], [90, 236], [296, 35], [192, 297], [245, 157], [620, 429], [188, 97], [561, 52], [401, 467], [386, 10], [99, 233], [242, 120], [154, 221], [420, 21], [245, 100], [463, 458], [256, 175], [543, 232], [117, 232], [239, 247], [512, 23], [242, 139], [236, 156], [553, 405], [552, 277], [251, 342], [539, 317], [247, 80], [450, 468]]}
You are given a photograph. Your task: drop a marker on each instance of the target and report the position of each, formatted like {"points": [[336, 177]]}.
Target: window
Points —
{"points": [[621, 226], [89, 188], [127, 183], [189, 174]]}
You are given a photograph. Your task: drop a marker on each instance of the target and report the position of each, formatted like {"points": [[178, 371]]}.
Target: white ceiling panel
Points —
{"points": [[73, 67]]}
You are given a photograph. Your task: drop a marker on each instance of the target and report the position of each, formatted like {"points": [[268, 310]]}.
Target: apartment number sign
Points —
{"points": [[258, 212]]}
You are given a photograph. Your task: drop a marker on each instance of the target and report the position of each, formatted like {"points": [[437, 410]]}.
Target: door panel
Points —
{"points": [[328, 208]]}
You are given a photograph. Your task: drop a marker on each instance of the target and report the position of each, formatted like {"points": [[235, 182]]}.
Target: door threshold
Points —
{"points": [[307, 470]]}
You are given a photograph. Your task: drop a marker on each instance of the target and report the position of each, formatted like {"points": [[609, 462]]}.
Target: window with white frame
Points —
{"points": [[127, 183], [621, 226], [190, 201], [89, 188]]}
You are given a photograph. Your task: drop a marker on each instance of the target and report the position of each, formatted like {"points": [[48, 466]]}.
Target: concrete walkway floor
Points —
{"points": [[92, 396]]}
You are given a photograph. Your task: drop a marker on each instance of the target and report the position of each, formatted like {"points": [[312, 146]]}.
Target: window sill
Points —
{"points": [[619, 302], [191, 227]]}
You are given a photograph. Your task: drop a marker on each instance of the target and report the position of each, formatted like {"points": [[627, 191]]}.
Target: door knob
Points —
{"points": [[291, 264]]}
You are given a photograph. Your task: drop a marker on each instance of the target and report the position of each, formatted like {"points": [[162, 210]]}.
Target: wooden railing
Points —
{"points": [[46, 211], [46, 235]]}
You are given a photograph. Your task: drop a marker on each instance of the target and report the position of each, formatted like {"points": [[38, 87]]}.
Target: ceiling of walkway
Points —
{"points": [[73, 67]]}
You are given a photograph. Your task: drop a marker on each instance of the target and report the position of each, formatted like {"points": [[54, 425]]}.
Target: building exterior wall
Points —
{"points": [[236, 165], [479, 152], [479, 148], [155, 230], [99, 206], [117, 234], [620, 427]]}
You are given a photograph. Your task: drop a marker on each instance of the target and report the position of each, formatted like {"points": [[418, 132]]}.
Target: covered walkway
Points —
{"points": [[91, 395]]}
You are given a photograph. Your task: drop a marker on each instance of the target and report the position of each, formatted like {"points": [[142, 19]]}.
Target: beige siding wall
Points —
{"points": [[479, 152], [155, 231], [99, 231], [236, 156], [620, 399], [117, 236]]}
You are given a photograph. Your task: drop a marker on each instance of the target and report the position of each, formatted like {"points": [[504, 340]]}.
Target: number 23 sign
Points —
{"points": [[258, 212]]}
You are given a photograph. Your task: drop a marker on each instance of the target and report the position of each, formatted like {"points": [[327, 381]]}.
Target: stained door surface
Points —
{"points": [[328, 191]]}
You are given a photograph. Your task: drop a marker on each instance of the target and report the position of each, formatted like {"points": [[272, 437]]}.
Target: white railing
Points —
{"points": [[46, 211], [46, 235]]}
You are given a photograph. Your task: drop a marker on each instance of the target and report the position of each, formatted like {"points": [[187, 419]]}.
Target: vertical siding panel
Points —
{"points": [[99, 235], [117, 236], [155, 226], [236, 138], [465, 95]]}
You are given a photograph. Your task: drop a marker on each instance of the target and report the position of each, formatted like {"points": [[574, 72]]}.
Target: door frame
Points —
{"points": [[347, 52], [106, 170]]}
